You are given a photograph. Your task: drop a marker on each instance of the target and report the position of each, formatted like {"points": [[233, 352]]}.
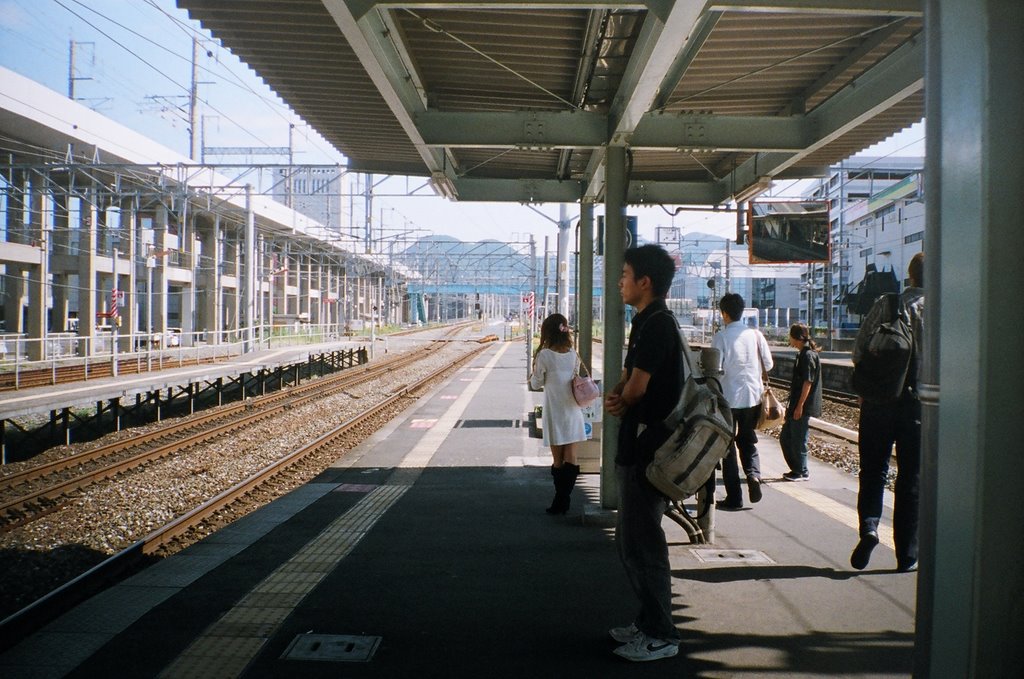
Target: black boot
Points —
{"points": [[556, 474], [571, 471]]}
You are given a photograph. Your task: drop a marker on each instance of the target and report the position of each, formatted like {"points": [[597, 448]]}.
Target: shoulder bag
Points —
{"points": [[772, 412], [584, 389]]}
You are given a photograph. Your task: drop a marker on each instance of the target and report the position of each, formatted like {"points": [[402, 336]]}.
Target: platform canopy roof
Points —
{"points": [[519, 101]]}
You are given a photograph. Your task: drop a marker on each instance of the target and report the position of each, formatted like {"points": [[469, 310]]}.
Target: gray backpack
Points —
{"points": [[702, 429]]}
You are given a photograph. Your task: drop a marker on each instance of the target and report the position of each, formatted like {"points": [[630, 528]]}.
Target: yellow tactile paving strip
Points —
{"points": [[832, 509], [227, 646]]}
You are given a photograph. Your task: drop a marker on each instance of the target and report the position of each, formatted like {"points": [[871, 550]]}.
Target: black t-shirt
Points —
{"points": [[656, 348], [807, 369]]}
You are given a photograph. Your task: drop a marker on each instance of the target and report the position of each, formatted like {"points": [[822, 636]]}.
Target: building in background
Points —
{"points": [[312, 191], [877, 225]]}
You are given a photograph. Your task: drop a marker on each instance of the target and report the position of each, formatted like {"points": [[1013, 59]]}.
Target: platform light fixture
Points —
{"points": [[442, 185]]}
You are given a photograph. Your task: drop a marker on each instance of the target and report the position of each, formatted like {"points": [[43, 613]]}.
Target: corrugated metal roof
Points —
{"points": [[809, 82]]}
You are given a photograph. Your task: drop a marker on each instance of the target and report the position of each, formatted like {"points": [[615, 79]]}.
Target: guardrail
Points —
{"points": [[70, 357]]}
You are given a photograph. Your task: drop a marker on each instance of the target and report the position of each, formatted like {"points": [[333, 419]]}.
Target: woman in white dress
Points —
{"points": [[554, 365]]}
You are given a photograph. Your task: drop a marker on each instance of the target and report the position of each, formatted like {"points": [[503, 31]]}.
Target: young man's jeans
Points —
{"points": [[644, 551], [881, 426], [793, 440], [745, 421]]}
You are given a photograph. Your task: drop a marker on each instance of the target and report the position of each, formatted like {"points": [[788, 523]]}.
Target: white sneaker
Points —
{"points": [[624, 635], [645, 648]]}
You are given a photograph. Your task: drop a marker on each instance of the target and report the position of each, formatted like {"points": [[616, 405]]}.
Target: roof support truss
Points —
{"points": [[892, 80]]}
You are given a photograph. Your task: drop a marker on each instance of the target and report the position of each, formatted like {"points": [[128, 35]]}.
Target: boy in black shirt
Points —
{"points": [[651, 382]]}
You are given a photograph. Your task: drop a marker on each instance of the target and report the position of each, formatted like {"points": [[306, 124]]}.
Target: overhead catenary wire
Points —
{"points": [[245, 129]]}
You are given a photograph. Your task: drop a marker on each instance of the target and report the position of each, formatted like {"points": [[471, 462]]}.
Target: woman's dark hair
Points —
{"points": [[554, 333], [654, 262], [801, 333]]}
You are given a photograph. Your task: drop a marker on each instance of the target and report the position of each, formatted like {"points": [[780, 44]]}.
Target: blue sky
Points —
{"points": [[133, 64]]}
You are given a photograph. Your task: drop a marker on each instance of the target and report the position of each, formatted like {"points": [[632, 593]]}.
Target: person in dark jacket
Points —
{"points": [[887, 424]]}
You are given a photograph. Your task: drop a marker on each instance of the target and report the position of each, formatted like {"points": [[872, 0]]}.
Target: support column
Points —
{"points": [[209, 283], [562, 271], [127, 284], [60, 238], [585, 284], [161, 289], [38, 277], [87, 287], [970, 588], [614, 310], [248, 261]]}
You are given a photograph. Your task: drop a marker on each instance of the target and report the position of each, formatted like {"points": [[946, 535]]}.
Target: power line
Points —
{"points": [[147, 63]]}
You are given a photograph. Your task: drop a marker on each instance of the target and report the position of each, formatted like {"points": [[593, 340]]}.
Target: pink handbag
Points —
{"points": [[584, 389]]}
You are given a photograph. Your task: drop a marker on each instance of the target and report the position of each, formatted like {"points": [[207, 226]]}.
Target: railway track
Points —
{"points": [[173, 534], [18, 507]]}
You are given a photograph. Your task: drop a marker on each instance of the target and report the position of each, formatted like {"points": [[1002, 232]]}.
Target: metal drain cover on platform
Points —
{"points": [[332, 648], [747, 556]]}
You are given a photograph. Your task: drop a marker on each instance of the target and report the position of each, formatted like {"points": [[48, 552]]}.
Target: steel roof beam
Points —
{"points": [[889, 82], [722, 133], [674, 193], [798, 104], [910, 8], [532, 191], [361, 7], [368, 36], [526, 129], [555, 130], [661, 43], [519, 190]]}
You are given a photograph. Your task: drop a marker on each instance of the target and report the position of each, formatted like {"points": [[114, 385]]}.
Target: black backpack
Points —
{"points": [[880, 375]]}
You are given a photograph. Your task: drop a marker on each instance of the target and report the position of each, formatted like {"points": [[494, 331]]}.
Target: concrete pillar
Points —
{"points": [[209, 281], [161, 289], [87, 284], [248, 269], [614, 310], [971, 584], [34, 295]]}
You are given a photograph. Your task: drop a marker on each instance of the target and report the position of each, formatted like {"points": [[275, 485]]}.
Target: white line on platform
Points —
{"points": [[420, 456]]}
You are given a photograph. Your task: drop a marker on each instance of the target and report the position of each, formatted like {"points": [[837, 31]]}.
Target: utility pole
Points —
{"points": [[72, 78], [71, 70], [193, 96], [289, 186], [368, 200]]}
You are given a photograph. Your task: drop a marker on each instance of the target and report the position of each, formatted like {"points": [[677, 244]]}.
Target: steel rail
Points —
{"points": [[317, 391], [30, 618], [172, 429]]}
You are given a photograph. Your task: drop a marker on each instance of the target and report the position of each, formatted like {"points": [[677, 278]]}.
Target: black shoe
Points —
{"points": [[795, 476], [908, 567], [754, 488], [862, 552], [728, 506]]}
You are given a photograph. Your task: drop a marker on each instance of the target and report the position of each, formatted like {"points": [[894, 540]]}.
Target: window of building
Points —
{"points": [[914, 237]]}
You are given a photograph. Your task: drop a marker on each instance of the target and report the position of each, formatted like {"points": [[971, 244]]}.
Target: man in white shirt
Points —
{"points": [[745, 355]]}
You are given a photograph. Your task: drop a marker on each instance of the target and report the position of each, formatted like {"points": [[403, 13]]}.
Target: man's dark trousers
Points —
{"points": [[883, 425], [644, 551], [746, 441]]}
